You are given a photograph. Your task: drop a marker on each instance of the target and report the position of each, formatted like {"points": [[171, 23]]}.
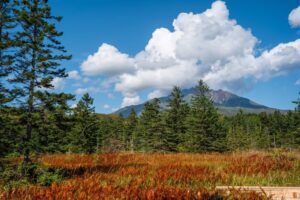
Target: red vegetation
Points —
{"points": [[149, 176]]}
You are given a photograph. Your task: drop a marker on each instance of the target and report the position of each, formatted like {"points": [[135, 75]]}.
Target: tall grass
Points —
{"points": [[161, 176]]}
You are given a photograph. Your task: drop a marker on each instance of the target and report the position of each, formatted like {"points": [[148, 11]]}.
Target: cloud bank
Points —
{"points": [[208, 46]]}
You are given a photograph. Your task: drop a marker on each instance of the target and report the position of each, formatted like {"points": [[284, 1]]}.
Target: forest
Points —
{"points": [[198, 128], [37, 121]]}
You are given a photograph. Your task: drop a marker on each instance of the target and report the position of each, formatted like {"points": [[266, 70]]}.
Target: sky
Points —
{"points": [[128, 51]]}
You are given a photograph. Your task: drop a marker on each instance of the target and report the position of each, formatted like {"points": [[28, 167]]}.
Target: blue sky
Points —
{"points": [[114, 75]]}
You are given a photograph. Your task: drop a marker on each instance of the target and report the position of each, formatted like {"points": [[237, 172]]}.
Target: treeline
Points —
{"points": [[181, 128], [35, 119]]}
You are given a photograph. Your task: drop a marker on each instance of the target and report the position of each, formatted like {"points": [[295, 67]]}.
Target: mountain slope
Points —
{"points": [[227, 103]]}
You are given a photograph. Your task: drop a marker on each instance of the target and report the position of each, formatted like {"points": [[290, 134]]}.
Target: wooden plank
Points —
{"points": [[278, 193]]}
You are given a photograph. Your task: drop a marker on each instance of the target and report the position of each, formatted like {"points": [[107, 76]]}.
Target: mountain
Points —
{"points": [[226, 102]]}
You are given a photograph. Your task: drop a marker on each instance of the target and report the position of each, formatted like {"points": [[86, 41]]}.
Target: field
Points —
{"points": [[161, 176]]}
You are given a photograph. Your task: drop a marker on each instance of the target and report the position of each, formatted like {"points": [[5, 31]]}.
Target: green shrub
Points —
{"points": [[48, 176]]}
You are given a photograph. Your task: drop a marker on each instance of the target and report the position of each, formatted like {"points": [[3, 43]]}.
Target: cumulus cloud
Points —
{"points": [[130, 100], [58, 83], [109, 61], [207, 45], [294, 17], [90, 90], [74, 75]]}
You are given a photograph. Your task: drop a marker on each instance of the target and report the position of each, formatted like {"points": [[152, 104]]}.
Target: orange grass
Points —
{"points": [[152, 176]]}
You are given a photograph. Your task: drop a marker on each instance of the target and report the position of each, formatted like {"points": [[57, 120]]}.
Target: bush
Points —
{"points": [[48, 176], [27, 173]]}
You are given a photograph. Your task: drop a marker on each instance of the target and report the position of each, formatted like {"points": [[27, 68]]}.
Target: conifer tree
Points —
{"points": [[130, 130], [151, 129], [296, 131], [175, 119], [204, 131], [7, 24], [54, 122], [84, 134], [38, 59]]}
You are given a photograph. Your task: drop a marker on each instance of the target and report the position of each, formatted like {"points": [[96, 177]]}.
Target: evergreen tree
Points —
{"points": [[297, 102], [130, 130], [150, 128], [38, 58], [54, 122], [7, 24], [175, 119], [204, 131], [296, 125], [85, 131]]}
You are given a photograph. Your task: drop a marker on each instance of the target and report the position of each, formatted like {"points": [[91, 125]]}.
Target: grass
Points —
{"points": [[161, 176]]}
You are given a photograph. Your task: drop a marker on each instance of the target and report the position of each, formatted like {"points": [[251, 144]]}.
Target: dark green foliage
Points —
{"points": [[83, 136], [12, 130], [175, 119], [54, 122], [247, 131], [47, 176], [38, 59], [151, 129], [7, 25], [204, 130], [14, 175], [130, 125]]}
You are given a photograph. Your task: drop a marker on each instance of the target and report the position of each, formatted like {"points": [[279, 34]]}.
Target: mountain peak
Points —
{"points": [[227, 102]]}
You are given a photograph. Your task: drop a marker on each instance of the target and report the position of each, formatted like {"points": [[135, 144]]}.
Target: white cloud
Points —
{"points": [[297, 82], [208, 46], [58, 83], [156, 94], [294, 17], [130, 100], [74, 75], [106, 106], [89, 90], [109, 61]]}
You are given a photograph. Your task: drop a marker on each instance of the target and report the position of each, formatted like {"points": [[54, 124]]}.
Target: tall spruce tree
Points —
{"points": [[7, 25], [175, 119], [54, 122], [130, 130], [296, 125], [151, 128], [85, 131], [204, 130], [38, 59]]}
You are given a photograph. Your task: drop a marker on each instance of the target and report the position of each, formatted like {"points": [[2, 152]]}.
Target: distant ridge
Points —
{"points": [[228, 103]]}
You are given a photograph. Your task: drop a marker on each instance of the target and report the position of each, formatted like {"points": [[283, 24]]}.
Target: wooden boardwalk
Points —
{"points": [[278, 193]]}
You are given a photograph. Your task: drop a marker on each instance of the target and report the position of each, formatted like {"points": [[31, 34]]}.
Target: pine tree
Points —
{"points": [[204, 131], [85, 131], [175, 119], [38, 58], [6, 58], [54, 121], [7, 24], [150, 128], [130, 130], [296, 131], [297, 102]]}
